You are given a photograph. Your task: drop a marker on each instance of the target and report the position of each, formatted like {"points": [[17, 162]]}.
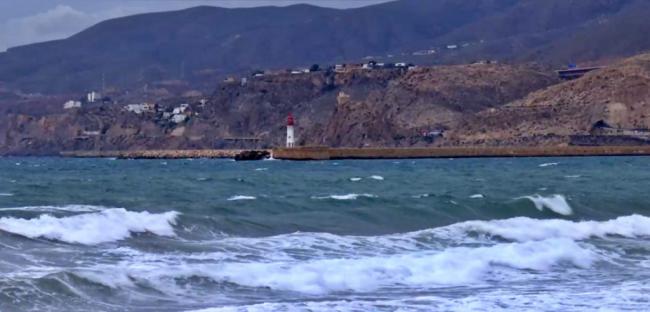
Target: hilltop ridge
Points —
{"points": [[204, 44]]}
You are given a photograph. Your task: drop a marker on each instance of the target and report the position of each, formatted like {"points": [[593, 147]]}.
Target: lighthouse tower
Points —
{"points": [[291, 140]]}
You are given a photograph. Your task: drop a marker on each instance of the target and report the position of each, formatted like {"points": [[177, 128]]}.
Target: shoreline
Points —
{"points": [[326, 153]]}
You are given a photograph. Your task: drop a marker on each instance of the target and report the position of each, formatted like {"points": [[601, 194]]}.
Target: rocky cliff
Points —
{"points": [[614, 100], [387, 107], [463, 105]]}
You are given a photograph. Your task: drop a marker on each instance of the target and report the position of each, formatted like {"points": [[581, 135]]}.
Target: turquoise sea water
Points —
{"points": [[547, 234]]}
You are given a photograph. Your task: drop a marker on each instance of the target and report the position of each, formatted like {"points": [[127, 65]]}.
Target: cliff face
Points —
{"points": [[468, 105], [619, 96], [354, 108]]}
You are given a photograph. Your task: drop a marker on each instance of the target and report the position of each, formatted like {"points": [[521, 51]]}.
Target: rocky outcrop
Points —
{"points": [[617, 96]]}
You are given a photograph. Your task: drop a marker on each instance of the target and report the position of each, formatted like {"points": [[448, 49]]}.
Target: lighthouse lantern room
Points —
{"points": [[291, 140]]}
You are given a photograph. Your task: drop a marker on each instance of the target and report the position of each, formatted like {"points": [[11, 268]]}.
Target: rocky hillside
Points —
{"points": [[200, 44], [616, 98], [388, 107]]}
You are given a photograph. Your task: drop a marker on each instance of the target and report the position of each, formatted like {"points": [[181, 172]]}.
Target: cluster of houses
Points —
{"points": [[316, 68], [91, 97], [374, 65], [177, 115]]}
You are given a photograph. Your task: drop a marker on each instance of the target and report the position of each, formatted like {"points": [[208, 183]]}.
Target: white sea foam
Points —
{"points": [[92, 228], [477, 196], [377, 177], [630, 296], [241, 197], [66, 208], [574, 176], [520, 229], [6, 194], [453, 266], [261, 169], [346, 196], [526, 229], [549, 164], [556, 203], [355, 179]]}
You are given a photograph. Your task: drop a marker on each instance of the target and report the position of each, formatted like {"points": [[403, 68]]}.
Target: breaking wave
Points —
{"points": [[345, 197], [66, 208], [241, 197], [92, 228], [526, 229], [555, 203], [422, 269]]}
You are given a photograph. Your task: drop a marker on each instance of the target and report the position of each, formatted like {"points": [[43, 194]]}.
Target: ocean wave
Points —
{"points": [[377, 177], [356, 179], [351, 196], [556, 203], [452, 266], [548, 164], [526, 229], [92, 228], [65, 208], [6, 194], [477, 196], [520, 229], [241, 197], [630, 296]]}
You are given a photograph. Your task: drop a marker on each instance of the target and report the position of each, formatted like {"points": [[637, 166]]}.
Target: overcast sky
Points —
{"points": [[29, 21]]}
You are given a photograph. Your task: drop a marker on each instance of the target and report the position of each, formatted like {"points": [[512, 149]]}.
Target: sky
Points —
{"points": [[28, 21]]}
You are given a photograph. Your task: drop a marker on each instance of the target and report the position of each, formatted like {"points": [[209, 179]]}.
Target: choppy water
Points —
{"points": [[563, 234]]}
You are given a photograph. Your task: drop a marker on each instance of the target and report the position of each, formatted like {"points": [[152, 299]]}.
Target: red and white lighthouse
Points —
{"points": [[291, 140]]}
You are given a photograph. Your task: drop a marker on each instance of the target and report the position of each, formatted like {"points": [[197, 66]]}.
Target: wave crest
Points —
{"points": [[346, 196], [556, 203], [92, 228]]}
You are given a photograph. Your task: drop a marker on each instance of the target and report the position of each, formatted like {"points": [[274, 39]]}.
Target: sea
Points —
{"points": [[492, 234]]}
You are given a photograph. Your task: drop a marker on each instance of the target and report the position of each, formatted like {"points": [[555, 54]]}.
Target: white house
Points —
{"points": [[72, 104], [93, 97], [179, 118], [140, 108], [181, 109]]}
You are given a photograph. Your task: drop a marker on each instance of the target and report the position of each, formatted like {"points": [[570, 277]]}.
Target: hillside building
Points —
{"points": [[72, 104]]}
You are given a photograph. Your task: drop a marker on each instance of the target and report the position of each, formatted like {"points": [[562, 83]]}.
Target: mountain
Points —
{"points": [[203, 44], [161, 46]]}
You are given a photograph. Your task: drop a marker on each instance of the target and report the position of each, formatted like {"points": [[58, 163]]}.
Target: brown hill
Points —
{"points": [[618, 95]]}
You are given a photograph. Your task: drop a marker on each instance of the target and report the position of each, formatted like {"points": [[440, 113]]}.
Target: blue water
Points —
{"points": [[548, 234]]}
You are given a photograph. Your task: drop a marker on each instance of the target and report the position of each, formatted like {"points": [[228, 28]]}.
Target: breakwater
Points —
{"points": [[325, 153], [156, 154]]}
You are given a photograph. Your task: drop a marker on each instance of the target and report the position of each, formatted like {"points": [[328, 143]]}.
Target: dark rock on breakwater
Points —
{"points": [[252, 155]]}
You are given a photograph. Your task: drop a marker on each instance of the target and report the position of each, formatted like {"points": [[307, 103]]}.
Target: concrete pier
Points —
{"points": [[156, 154], [325, 153]]}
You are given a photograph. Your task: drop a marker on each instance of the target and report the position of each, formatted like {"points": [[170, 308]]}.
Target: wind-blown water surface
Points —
{"points": [[567, 234]]}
